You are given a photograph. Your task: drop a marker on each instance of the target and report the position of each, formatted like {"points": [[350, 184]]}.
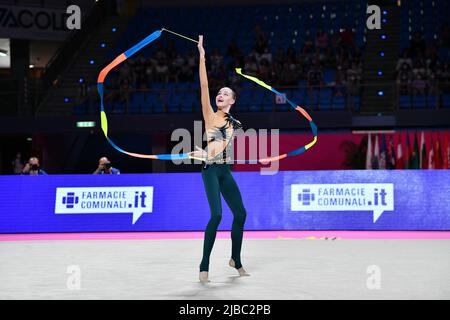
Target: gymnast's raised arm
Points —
{"points": [[208, 112]]}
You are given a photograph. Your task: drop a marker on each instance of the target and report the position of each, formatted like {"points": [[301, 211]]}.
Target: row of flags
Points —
{"points": [[384, 153]]}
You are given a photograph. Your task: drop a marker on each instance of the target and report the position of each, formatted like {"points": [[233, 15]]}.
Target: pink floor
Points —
{"points": [[282, 234]]}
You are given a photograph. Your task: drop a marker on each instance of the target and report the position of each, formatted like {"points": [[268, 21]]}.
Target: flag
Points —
{"points": [[369, 153], [408, 151], [400, 163], [423, 161], [390, 163], [414, 160], [383, 152], [431, 155], [437, 154], [376, 154], [446, 152]]}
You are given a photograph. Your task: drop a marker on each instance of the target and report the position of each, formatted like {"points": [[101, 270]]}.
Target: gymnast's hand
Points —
{"points": [[199, 153], [201, 50]]}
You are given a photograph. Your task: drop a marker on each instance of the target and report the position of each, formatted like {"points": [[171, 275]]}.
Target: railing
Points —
{"points": [[317, 98], [249, 99]]}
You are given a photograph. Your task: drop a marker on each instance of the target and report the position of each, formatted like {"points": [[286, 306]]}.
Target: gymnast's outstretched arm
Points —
{"points": [[208, 112]]}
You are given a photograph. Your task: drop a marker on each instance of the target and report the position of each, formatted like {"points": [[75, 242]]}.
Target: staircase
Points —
{"points": [[79, 67], [372, 102]]}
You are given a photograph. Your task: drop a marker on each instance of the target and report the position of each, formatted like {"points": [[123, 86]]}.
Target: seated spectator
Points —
{"points": [[404, 78], [105, 167], [32, 167], [161, 71], [315, 77], [347, 39], [321, 40], [260, 40], [339, 82], [443, 75], [251, 67], [267, 55], [353, 79], [216, 58], [402, 60], [418, 84]]}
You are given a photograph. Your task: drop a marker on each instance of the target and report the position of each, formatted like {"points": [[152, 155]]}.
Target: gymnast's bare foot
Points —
{"points": [[241, 270], [203, 277]]}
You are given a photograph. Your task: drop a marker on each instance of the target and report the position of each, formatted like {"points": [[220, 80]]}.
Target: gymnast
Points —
{"points": [[216, 171]]}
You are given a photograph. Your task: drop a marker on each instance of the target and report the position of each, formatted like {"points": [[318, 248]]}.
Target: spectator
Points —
{"points": [[260, 40], [161, 71], [402, 60], [353, 78], [347, 40], [418, 83], [443, 75], [105, 167], [251, 67], [404, 78], [315, 77], [266, 55], [321, 40], [17, 164], [32, 168], [339, 82]]}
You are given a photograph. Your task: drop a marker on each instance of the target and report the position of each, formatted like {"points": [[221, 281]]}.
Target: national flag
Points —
{"points": [[446, 152], [423, 152], [437, 153], [369, 153], [400, 163], [376, 154], [383, 152], [431, 155], [408, 151], [390, 162], [414, 159]]}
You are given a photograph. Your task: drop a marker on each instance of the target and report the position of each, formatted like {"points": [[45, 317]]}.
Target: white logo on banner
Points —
{"points": [[136, 200], [376, 197]]}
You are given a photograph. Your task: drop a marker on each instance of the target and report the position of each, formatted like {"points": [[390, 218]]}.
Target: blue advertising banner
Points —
{"points": [[288, 200]]}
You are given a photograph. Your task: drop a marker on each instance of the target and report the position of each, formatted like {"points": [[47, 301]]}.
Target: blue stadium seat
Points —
{"points": [[419, 101], [325, 97], [405, 102], [432, 101], [338, 102], [118, 108]]}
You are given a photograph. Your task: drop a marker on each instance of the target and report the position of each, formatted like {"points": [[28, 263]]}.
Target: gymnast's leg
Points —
{"points": [[211, 183], [232, 196]]}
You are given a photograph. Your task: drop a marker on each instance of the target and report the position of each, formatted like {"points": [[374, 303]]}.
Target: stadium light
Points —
{"points": [[86, 124]]}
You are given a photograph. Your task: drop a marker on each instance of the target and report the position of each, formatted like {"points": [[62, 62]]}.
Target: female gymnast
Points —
{"points": [[216, 172]]}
